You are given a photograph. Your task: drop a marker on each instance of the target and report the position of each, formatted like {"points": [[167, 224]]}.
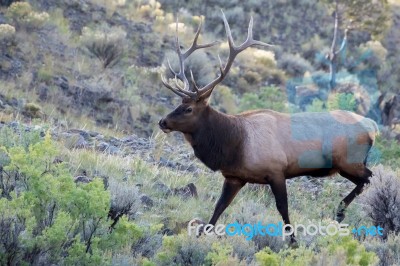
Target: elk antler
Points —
{"points": [[184, 92], [234, 50]]}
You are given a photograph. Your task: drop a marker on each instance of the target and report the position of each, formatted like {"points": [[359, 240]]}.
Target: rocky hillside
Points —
{"points": [[98, 62]]}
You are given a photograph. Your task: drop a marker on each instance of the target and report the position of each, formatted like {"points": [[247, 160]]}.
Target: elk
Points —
{"points": [[264, 146]]}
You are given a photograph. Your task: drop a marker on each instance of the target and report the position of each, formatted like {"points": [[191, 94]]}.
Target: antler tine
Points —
{"points": [[195, 46], [249, 40], [170, 68], [234, 50], [184, 92], [228, 31], [181, 73], [166, 84], [196, 88]]}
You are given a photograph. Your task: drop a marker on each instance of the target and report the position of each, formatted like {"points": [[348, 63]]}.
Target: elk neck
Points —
{"points": [[218, 141]]}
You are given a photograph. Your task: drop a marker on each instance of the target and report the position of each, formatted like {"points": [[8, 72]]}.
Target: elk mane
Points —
{"points": [[218, 143]]}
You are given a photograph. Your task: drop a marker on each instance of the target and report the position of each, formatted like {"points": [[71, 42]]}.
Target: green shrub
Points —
{"points": [[184, 250], [45, 217], [342, 101], [219, 254], [387, 250], [267, 257], [25, 17], [337, 250], [382, 200], [151, 10], [124, 199], [7, 34], [294, 65], [45, 73], [267, 98], [337, 101], [224, 100], [32, 110], [354, 252], [389, 150], [253, 68], [107, 44], [316, 106]]}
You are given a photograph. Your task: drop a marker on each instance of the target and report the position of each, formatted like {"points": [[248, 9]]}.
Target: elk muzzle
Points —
{"points": [[163, 125]]}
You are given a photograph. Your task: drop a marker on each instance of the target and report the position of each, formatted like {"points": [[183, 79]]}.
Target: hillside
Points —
{"points": [[87, 177]]}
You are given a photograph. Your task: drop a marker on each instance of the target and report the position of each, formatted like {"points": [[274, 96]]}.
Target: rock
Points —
{"points": [[43, 93], [81, 132], [129, 139], [93, 134], [99, 137], [167, 163], [162, 188], [57, 160], [83, 179], [187, 191], [102, 146], [80, 143], [113, 141], [146, 201], [192, 168], [9, 66], [62, 82], [113, 150], [14, 124], [73, 141], [182, 167]]}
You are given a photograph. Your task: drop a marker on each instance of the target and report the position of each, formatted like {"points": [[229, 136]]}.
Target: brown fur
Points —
{"points": [[219, 142]]}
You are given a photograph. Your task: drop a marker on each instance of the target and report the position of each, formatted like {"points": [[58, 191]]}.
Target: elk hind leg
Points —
{"points": [[360, 178]]}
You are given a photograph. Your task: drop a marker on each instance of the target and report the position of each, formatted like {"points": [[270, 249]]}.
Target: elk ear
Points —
{"points": [[205, 97]]}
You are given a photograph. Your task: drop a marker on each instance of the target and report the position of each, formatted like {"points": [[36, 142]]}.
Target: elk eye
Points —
{"points": [[188, 110]]}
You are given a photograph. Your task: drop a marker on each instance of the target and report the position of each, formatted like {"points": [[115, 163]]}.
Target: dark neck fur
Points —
{"points": [[218, 142]]}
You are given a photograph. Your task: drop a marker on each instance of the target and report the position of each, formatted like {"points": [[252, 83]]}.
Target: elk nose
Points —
{"points": [[162, 123]]}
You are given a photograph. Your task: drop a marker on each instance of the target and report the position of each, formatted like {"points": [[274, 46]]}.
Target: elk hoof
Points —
{"points": [[293, 243], [340, 217]]}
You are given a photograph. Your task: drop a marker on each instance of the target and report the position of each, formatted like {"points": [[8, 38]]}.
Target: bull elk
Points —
{"points": [[264, 146]]}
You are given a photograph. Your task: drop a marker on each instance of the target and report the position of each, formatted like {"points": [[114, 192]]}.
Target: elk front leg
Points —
{"points": [[278, 187], [229, 190]]}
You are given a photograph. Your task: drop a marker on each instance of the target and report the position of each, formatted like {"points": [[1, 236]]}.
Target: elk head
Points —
{"points": [[187, 117]]}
